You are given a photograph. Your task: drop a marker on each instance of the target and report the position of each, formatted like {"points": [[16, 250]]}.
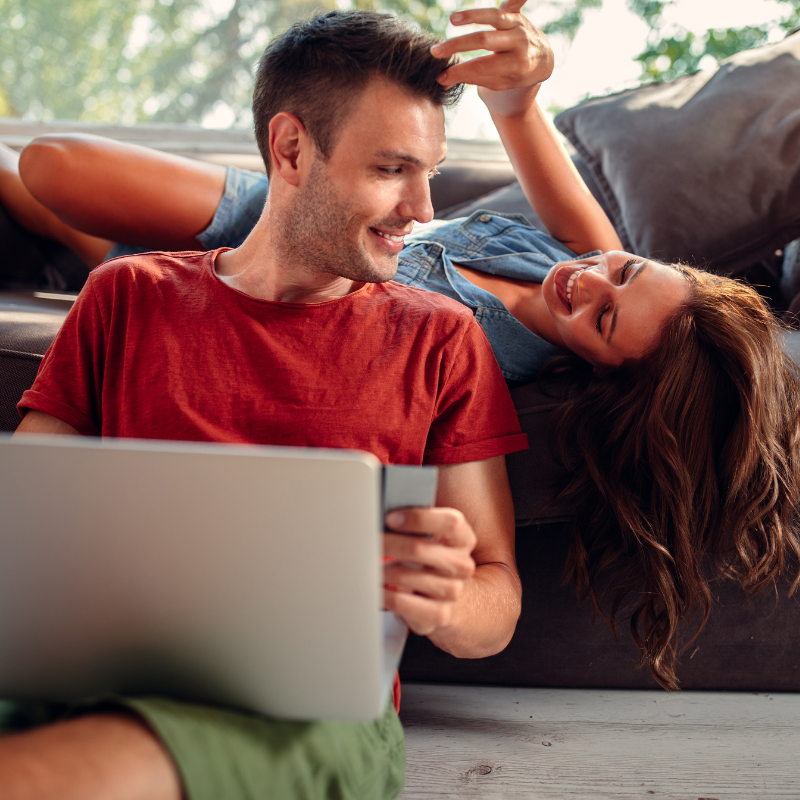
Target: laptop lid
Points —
{"points": [[246, 576]]}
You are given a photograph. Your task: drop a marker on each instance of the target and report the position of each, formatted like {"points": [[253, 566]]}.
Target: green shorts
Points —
{"points": [[228, 755]]}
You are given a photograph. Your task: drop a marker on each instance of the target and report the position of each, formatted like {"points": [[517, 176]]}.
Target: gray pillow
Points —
{"points": [[459, 182], [511, 199], [705, 169]]}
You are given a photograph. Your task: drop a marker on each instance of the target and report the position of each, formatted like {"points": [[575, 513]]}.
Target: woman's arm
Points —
{"points": [[549, 179], [509, 80], [122, 192]]}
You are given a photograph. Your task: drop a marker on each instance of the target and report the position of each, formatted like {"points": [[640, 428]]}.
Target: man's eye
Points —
{"points": [[599, 324], [391, 170], [433, 173]]}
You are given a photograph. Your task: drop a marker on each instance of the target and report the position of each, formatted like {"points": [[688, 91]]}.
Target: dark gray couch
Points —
{"points": [[745, 646]]}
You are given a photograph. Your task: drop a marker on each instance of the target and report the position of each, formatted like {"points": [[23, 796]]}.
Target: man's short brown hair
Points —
{"points": [[319, 67]]}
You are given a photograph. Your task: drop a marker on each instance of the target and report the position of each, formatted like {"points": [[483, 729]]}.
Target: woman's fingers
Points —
{"points": [[482, 71], [496, 41], [499, 18], [512, 6], [520, 55]]}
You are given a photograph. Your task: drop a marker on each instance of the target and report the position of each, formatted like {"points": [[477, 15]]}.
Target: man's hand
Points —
{"points": [[521, 57], [456, 580], [429, 569]]}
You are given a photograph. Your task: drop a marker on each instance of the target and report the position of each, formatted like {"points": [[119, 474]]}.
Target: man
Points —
{"points": [[323, 349]]}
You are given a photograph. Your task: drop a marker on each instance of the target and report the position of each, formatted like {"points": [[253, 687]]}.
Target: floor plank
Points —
{"points": [[543, 744]]}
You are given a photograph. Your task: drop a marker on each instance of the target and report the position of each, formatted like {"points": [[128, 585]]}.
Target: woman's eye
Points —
{"points": [[599, 324], [624, 270]]}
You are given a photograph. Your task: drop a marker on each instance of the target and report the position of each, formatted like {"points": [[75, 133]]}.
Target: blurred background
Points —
{"points": [[191, 61]]}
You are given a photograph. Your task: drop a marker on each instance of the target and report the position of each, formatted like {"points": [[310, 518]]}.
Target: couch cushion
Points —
{"points": [[511, 199], [745, 646], [460, 182], [532, 473], [31, 263], [17, 373], [27, 327], [705, 169]]}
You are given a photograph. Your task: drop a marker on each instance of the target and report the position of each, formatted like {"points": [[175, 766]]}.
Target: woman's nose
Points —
{"points": [[592, 283]]}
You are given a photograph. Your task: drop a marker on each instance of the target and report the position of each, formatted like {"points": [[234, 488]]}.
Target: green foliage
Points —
{"points": [[147, 60], [681, 53], [135, 60], [169, 61], [571, 17], [174, 61], [649, 10]]}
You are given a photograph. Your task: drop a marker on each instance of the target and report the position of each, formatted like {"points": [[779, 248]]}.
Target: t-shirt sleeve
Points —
{"points": [[69, 383], [475, 417]]}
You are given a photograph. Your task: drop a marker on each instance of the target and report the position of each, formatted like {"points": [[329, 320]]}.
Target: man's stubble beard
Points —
{"points": [[322, 233]]}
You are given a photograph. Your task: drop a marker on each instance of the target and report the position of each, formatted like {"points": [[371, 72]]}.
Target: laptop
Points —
{"points": [[246, 576]]}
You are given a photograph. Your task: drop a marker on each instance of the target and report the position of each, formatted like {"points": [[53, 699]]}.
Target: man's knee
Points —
{"points": [[92, 756]]}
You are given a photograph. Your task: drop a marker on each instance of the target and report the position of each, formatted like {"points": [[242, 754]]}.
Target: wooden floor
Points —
{"points": [[478, 742]]}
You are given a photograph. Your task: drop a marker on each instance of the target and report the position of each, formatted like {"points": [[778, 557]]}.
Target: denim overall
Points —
{"points": [[498, 244]]}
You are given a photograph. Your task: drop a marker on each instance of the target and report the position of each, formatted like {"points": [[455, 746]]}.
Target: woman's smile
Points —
{"points": [[610, 308], [564, 279]]}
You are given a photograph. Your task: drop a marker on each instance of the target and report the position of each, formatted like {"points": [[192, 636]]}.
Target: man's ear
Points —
{"points": [[290, 147]]}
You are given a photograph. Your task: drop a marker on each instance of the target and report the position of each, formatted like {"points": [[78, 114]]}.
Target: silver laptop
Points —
{"points": [[246, 576]]}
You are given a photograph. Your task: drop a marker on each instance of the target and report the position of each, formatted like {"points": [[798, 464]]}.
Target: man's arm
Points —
{"points": [[464, 592], [39, 422], [509, 80]]}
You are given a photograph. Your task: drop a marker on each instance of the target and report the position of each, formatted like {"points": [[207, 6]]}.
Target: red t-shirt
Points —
{"points": [[158, 347]]}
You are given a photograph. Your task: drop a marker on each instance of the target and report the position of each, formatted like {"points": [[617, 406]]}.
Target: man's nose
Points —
{"points": [[416, 202]]}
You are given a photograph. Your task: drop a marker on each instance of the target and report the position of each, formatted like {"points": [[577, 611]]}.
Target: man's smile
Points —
{"points": [[390, 240], [390, 236]]}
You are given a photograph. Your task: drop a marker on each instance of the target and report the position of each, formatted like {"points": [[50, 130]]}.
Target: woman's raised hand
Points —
{"points": [[520, 57]]}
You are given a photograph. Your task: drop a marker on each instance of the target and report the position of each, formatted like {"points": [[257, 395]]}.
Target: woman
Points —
{"points": [[679, 423]]}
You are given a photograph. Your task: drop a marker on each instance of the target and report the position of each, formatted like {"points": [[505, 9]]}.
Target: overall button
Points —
{"points": [[485, 218]]}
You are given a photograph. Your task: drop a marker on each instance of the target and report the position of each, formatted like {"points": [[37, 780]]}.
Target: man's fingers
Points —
{"points": [[446, 561], [443, 525], [422, 582], [422, 615]]}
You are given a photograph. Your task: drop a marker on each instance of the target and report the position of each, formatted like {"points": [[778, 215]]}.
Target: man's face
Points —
{"points": [[355, 207]]}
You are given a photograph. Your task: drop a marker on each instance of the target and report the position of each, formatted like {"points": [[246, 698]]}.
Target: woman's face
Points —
{"points": [[611, 307]]}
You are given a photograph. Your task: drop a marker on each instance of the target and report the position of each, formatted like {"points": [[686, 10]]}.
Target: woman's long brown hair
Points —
{"points": [[684, 466]]}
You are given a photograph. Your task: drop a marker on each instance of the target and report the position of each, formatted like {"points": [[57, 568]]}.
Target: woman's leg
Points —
{"points": [[121, 192], [28, 212]]}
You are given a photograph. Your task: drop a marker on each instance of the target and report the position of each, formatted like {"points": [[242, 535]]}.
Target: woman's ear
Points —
{"points": [[290, 147]]}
